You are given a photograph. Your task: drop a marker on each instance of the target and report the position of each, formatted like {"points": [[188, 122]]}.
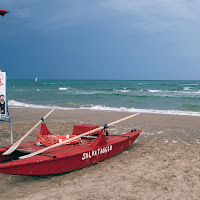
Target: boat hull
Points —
{"points": [[68, 157]]}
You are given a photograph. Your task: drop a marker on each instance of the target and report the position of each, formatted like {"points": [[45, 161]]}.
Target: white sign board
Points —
{"points": [[3, 98]]}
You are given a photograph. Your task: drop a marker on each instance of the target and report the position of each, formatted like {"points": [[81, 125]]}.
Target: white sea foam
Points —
{"points": [[123, 91], [105, 108], [196, 92], [63, 88], [187, 93], [88, 92], [155, 90], [17, 104], [190, 84], [187, 88], [123, 109]]}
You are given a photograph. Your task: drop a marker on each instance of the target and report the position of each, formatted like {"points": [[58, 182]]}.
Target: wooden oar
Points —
{"points": [[16, 144], [28, 151], [76, 137]]}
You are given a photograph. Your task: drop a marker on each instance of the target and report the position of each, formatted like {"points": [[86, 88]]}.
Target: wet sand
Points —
{"points": [[162, 164]]}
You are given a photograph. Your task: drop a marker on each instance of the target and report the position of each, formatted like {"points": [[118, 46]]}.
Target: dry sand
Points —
{"points": [[162, 164]]}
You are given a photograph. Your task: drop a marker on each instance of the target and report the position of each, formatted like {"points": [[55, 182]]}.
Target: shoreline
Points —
{"points": [[21, 112], [18, 105]]}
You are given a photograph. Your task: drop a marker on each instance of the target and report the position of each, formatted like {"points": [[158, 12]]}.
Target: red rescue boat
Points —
{"points": [[92, 149]]}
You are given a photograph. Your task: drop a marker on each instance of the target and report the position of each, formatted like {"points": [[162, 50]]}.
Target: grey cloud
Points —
{"points": [[144, 14], [158, 13]]}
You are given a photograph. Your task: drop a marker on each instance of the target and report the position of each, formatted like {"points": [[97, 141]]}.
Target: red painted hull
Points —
{"points": [[68, 157]]}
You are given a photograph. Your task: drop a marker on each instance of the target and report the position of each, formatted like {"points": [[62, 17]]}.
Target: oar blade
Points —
{"points": [[16, 144], [12, 148]]}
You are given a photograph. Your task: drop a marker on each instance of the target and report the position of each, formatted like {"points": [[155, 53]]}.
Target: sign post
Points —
{"points": [[4, 114]]}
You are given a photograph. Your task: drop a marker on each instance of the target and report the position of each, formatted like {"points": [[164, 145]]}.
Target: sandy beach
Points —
{"points": [[162, 164]]}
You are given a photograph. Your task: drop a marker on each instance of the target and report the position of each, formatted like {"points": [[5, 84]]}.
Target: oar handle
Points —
{"points": [[42, 119], [76, 137], [121, 120], [48, 113]]}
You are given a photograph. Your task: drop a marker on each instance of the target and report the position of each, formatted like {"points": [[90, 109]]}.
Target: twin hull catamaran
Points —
{"points": [[92, 149]]}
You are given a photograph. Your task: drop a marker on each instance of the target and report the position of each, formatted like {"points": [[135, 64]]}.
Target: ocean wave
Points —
{"points": [[69, 105], [196, 92], [63, 88], [123, 109], [186, 88], [190, 84], [90, 92], [155, 91], [185, 92], [17, 104], [122, 91]]}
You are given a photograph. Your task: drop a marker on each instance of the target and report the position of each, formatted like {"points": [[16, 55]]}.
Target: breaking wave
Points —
{"points": [[155, 91], [63, 88], [17, 104]]}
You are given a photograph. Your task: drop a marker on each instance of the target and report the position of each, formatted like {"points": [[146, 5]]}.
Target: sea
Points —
{"points": [[163, 97]]}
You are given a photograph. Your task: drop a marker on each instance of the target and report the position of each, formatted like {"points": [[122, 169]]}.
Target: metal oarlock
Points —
{"points": [[105, 126], [105, 129]]}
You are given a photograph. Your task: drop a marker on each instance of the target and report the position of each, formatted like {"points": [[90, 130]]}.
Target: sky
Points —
{"points": [[101, 39]]}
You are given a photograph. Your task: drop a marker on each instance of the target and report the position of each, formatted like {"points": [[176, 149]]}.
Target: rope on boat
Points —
{"points": [[49, 140]]}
